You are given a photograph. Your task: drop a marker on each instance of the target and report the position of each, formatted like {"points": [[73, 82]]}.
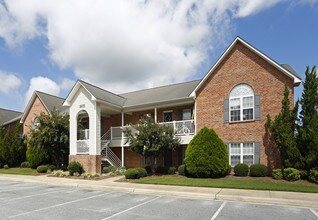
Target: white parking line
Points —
{"points": [[58, 205], [314, 212], [20, 188], [34, 195], [218, 211], [131, 208]]}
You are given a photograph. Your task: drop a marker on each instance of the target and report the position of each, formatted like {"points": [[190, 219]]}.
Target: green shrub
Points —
{"points": [[106, 170], [36, 156], [142, 172], [112, 169], [171, 170], [51, 167], [182, 170], [241, 169], [291, 174], [132, 173], [148, 169], [41, 169], [277, 174], [229, 171], [75, 167], [25, 164], [313, 175], [304, 174], [6, 166], [258, 170], [206, 155]]}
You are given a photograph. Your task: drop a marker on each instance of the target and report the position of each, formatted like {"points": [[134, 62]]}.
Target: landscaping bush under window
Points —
{"points": [[241, 169], [277, 174], [132, 174], [41, 169], [291, 174], [75, 167], [206, 155], [258, 170]]}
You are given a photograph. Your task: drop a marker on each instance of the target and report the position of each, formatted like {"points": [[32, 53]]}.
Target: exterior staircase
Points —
{"points": [[107, 154]]}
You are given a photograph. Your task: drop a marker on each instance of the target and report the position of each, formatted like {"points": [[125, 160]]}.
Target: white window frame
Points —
{"points": [[241, 97], [241, 154]]}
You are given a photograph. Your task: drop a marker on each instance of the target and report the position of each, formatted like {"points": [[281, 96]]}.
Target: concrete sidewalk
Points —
{"points": [[309, 200]]}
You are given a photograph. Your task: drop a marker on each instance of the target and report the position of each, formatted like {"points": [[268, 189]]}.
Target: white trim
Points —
{"points": [[30, 103], [238, 39], [74, 90]]}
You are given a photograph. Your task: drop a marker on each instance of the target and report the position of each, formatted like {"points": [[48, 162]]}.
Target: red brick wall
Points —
{"points": [[36, 110], [90, 163], [242, 65]]}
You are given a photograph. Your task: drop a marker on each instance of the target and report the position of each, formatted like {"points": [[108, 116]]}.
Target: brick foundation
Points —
{"points": [[90, 163]]}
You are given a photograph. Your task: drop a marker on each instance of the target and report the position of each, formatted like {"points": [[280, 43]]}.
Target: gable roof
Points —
{"points": [[50, 103], [104, 95], [160, 94], [284, 68], [7, 116]]}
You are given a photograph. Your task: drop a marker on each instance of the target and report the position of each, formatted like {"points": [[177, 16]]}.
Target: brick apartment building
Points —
{"points": [[234, 97]]}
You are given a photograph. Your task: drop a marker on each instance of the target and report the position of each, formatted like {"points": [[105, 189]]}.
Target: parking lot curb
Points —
{"points": [[308, 200]]}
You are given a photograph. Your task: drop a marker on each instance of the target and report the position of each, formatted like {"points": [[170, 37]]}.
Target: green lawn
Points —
{"points": [[233, 182], [19, 171]]}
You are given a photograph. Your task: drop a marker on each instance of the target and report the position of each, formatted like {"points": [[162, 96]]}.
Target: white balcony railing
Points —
{"points": [[82, 146], [182, 128]]}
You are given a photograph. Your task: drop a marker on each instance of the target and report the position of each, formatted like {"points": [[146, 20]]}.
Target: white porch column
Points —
{"points": [[122, 139], [95, 132], [156, 115]]}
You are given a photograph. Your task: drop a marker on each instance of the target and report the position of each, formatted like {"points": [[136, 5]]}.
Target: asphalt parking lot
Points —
{"points": [[20, 200]]}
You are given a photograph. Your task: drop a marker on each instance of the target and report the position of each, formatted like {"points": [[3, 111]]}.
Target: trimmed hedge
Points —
{"points": [[25, 164], [313, 175], [182, 170], [241, 169], [258, 170], [291, 174], [41, 169], [51, 167], [206, 155], [277, 174], [142, 172], [132, 173], [75, 167]]}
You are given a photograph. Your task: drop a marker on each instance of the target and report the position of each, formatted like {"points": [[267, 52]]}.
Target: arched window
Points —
{"points": [[241, 103], [82, 125], [36, 122]]}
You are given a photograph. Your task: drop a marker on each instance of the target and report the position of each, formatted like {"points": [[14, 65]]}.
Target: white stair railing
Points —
{"points": [[106, 153]]}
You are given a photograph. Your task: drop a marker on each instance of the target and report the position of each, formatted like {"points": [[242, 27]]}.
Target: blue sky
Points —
{"points": [[48, 46]]}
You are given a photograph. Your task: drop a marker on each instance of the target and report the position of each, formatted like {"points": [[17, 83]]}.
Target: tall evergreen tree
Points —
{"points": [[282, 129], [308, 131]]}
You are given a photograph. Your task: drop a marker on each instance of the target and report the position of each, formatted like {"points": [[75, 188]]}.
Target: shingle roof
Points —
{"points": [[51, 102], [160, 94], [104, 95], [7, 115], [290, 69]]}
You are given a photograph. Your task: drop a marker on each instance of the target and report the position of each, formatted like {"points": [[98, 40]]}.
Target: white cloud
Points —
{"points": [[124, 45], [42, 84], [9, 82], [66, 84]]}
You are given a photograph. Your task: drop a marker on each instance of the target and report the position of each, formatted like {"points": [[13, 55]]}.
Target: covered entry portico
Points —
{"points": [[98, 117]]}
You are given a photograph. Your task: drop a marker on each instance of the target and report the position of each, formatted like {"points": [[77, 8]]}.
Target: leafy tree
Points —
{"points": [[206, 155], [150, 139], [308, 131], [52, 136], [12, 148], [282, 129]]}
